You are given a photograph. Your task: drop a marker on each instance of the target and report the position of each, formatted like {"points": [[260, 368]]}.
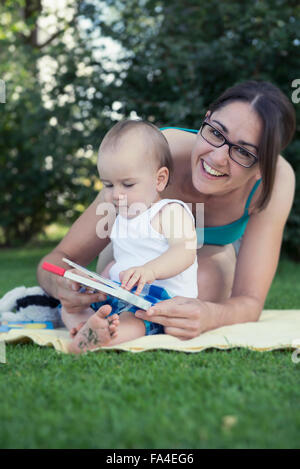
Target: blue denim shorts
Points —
{"points": [[151, 293]]}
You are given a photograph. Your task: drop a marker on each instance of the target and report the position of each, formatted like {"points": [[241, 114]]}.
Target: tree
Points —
{"points": [[49, 128], [175, 57], [179, 56]]}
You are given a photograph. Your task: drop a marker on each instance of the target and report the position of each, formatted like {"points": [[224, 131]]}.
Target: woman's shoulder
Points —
{"points": [[283, 192], [284, 185], [284, 181], [178, 134], [284, 171], [180, 141]]}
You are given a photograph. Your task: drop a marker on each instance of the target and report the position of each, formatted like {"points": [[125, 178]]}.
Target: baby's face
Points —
{"points": [[129, 176]]}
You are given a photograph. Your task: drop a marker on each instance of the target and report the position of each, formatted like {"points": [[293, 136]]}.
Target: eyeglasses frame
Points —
{"points": [[227, 142]]}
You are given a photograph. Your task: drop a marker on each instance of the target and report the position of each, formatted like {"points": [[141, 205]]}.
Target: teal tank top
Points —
{"points": [[225, 234]]}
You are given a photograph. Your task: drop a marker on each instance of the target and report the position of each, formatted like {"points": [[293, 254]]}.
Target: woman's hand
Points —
{"points": [[73, 301], [181, 317]]}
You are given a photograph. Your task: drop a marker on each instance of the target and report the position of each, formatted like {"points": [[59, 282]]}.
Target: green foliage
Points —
{"points": [[175, 58], [46, 126], [182, 55]]}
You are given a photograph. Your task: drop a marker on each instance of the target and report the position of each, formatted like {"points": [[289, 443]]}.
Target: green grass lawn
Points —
{"points": [[158, 399]]}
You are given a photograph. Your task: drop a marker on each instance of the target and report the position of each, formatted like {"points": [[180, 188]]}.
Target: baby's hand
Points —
{"points": [[136, 275]]}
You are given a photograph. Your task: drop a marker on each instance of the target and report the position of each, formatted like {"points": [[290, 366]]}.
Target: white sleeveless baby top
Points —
{"points": [[136, 242]]}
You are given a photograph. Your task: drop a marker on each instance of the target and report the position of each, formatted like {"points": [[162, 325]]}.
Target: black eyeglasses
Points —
{"points": [[238, 154]]}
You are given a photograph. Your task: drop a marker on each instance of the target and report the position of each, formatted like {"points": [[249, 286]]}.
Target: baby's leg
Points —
{"points": [[99, 331], [130, 328], [72, 320], [105, 272]]}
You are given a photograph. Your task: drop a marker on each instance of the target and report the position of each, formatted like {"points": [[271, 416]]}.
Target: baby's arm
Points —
{"points": [[177, 225]]}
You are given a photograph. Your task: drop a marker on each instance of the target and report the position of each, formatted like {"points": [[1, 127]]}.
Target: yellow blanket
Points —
{"points": [[276, 329]]}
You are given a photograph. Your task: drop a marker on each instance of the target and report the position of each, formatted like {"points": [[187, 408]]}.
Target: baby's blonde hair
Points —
{"points": [[160, 147]]}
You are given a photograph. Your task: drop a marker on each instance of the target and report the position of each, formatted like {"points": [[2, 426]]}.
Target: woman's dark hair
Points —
{"points": [[278, 125]]}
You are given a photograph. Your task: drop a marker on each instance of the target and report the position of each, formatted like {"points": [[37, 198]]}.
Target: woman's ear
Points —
{"points": [[257, 172], [258, 175], [162, 177]]}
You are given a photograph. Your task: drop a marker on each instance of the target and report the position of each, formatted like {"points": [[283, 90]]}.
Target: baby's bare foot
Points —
{"points": [[96, 332], [76, 329]]}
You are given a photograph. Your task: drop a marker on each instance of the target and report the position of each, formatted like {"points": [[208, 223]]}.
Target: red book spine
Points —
{"points": [[53, 268]]}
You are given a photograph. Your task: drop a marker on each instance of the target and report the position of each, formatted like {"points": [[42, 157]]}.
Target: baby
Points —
{"points": [[154, 239]]}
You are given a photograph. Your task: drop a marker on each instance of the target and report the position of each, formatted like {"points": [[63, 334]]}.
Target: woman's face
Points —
{"points": [[241, 125]]}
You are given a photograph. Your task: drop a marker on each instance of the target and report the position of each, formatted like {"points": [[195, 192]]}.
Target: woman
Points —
{"points": [[232, 165]]}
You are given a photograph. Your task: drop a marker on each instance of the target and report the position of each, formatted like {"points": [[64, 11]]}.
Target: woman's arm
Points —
{"points": [[81, 244], [256, 266], [260, 250]]}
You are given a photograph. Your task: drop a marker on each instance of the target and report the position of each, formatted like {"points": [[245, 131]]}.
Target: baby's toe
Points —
{"points": [[104, 311]]}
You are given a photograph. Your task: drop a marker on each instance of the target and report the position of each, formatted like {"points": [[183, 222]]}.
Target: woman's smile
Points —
{"points": [[211, 172]]}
